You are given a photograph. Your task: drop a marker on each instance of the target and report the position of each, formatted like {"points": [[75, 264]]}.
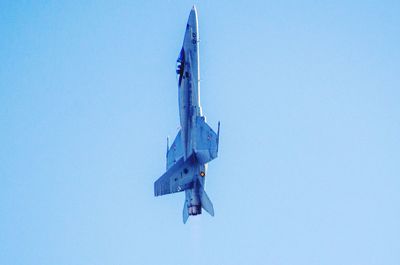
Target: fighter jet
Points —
{"points": [[196, 143]]}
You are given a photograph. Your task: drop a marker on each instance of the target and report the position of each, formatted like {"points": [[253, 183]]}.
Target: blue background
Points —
{"points": [[308, 98]]}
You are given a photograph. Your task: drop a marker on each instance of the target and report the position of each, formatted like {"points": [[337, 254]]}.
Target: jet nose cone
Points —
{"points": [[192, 20], [193, 12]]}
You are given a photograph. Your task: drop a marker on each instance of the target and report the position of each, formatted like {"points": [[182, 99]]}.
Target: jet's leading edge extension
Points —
{"points": [[196, 143]]}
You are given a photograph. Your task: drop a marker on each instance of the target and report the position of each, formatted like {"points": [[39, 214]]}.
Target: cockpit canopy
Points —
{"points": [[179, 68], [180, 65]]}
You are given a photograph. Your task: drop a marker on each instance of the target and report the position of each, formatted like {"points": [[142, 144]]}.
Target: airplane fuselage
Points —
{"points": [[196, 143], [189, 103], [189, 85]]}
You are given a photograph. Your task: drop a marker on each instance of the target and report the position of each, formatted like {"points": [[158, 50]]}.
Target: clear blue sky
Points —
{"points": [[308, 95]]}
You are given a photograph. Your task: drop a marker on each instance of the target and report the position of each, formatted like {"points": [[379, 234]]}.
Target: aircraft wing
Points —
{"points": [[206, 144], [178, 177]]}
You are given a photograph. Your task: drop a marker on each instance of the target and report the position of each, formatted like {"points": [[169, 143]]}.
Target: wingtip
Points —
{"points": [[212, 213], [185, 213]]}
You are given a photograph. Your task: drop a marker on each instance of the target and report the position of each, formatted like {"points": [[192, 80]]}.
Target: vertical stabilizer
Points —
{"points": [[167, 151], [219, 123]]}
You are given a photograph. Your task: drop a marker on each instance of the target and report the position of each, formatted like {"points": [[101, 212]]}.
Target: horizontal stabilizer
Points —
{"points": [[206, 202]]}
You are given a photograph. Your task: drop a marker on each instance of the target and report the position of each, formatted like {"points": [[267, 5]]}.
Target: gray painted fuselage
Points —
{"points": [[196, 143], [189, 104], [189, 85]]}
